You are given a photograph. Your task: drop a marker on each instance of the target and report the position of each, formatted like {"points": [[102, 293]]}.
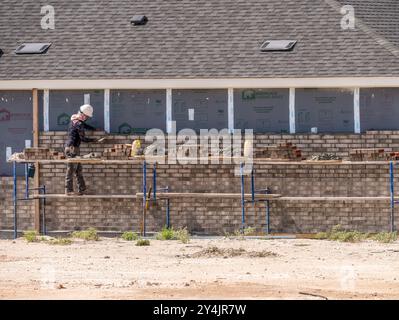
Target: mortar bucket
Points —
{"points": [[31, 170]]}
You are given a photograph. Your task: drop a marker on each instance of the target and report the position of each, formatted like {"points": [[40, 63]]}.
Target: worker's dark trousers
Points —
{"points": [[73, 169]]}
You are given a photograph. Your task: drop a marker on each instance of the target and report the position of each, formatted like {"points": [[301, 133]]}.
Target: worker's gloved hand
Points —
{"points": [[101, 140]]}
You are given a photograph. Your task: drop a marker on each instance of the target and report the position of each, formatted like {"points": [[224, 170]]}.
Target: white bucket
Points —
{"points": [[248, 149]]}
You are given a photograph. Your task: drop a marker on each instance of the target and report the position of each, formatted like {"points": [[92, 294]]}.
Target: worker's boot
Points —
{"points": [[69, 193]]}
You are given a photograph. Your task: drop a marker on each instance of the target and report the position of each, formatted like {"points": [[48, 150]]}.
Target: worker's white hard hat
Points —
{"points": [[87, 110]]}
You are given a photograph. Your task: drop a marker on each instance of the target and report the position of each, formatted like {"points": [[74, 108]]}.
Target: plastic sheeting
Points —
{"points": [[15, 126], [64, 103], [263, 110], [379, 109], [136, 111], [328, 110], [200, 109]]}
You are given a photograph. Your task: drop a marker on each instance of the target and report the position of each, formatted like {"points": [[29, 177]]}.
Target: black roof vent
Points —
{"points": [[32, 48], [139, 20], [278, 45]]}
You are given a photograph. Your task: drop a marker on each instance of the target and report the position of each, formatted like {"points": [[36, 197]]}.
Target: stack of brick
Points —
{"points": [[368, 155], [42, 154], [118, 152], [36, 153], [393, 156], [339, 143], [286, 151], [56, 155]]}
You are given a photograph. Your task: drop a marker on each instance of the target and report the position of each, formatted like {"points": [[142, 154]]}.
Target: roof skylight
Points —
{"points": [[278, 45], [32, 48]]}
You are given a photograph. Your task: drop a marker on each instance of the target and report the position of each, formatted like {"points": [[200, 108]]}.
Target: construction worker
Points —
{"points": [[76, 135]]}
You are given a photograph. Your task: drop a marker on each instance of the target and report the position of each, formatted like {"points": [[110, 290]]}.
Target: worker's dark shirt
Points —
{"points": [[76, 133]]}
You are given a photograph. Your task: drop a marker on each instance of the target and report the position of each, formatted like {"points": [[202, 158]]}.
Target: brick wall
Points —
{"points": [[56, 140], [25, 209], [217, 216], [292, 180], [339, 144]]}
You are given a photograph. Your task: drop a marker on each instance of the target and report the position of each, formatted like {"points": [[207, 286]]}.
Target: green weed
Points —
{"points": [[89, 234], [170, 234], [129, 236], [142, 242], [30, 236], [338, 234]]}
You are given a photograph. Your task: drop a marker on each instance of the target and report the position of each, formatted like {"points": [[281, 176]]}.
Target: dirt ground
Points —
{"points": [[202, 269]]}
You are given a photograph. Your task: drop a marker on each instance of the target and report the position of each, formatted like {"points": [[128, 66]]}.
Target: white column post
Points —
{"points": [[230, 109], [292, 110], [46, 110], [8, 152], [356, 110], [86, 98], [107, 119], [168, 110]]}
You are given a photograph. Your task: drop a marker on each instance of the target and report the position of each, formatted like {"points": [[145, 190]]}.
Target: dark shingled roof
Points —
{"points": [[94, 39]]}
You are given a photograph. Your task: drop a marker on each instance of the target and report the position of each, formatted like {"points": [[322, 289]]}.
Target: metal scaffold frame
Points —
{"points": [[27, 197], [147, 198], [253, 200], [166, 196], [393, 201], [261, 195], [43, 195]]}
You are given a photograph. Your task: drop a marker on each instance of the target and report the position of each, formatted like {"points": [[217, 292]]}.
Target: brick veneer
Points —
{"points": [[25, 208], [216, 216]]}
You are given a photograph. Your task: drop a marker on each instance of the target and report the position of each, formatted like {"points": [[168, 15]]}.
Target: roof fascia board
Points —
{"points": [[349, 82]]}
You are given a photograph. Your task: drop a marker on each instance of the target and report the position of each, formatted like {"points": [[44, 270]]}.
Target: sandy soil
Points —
{"points": [[262, 269]]}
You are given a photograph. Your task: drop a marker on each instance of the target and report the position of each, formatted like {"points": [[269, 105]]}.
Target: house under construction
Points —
{"points": [[290, 70]]}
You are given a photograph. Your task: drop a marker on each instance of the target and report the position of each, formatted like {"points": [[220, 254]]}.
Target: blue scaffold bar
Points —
{"points": [[391, 180], [242, 196], [15, 198], [144, 195]]}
